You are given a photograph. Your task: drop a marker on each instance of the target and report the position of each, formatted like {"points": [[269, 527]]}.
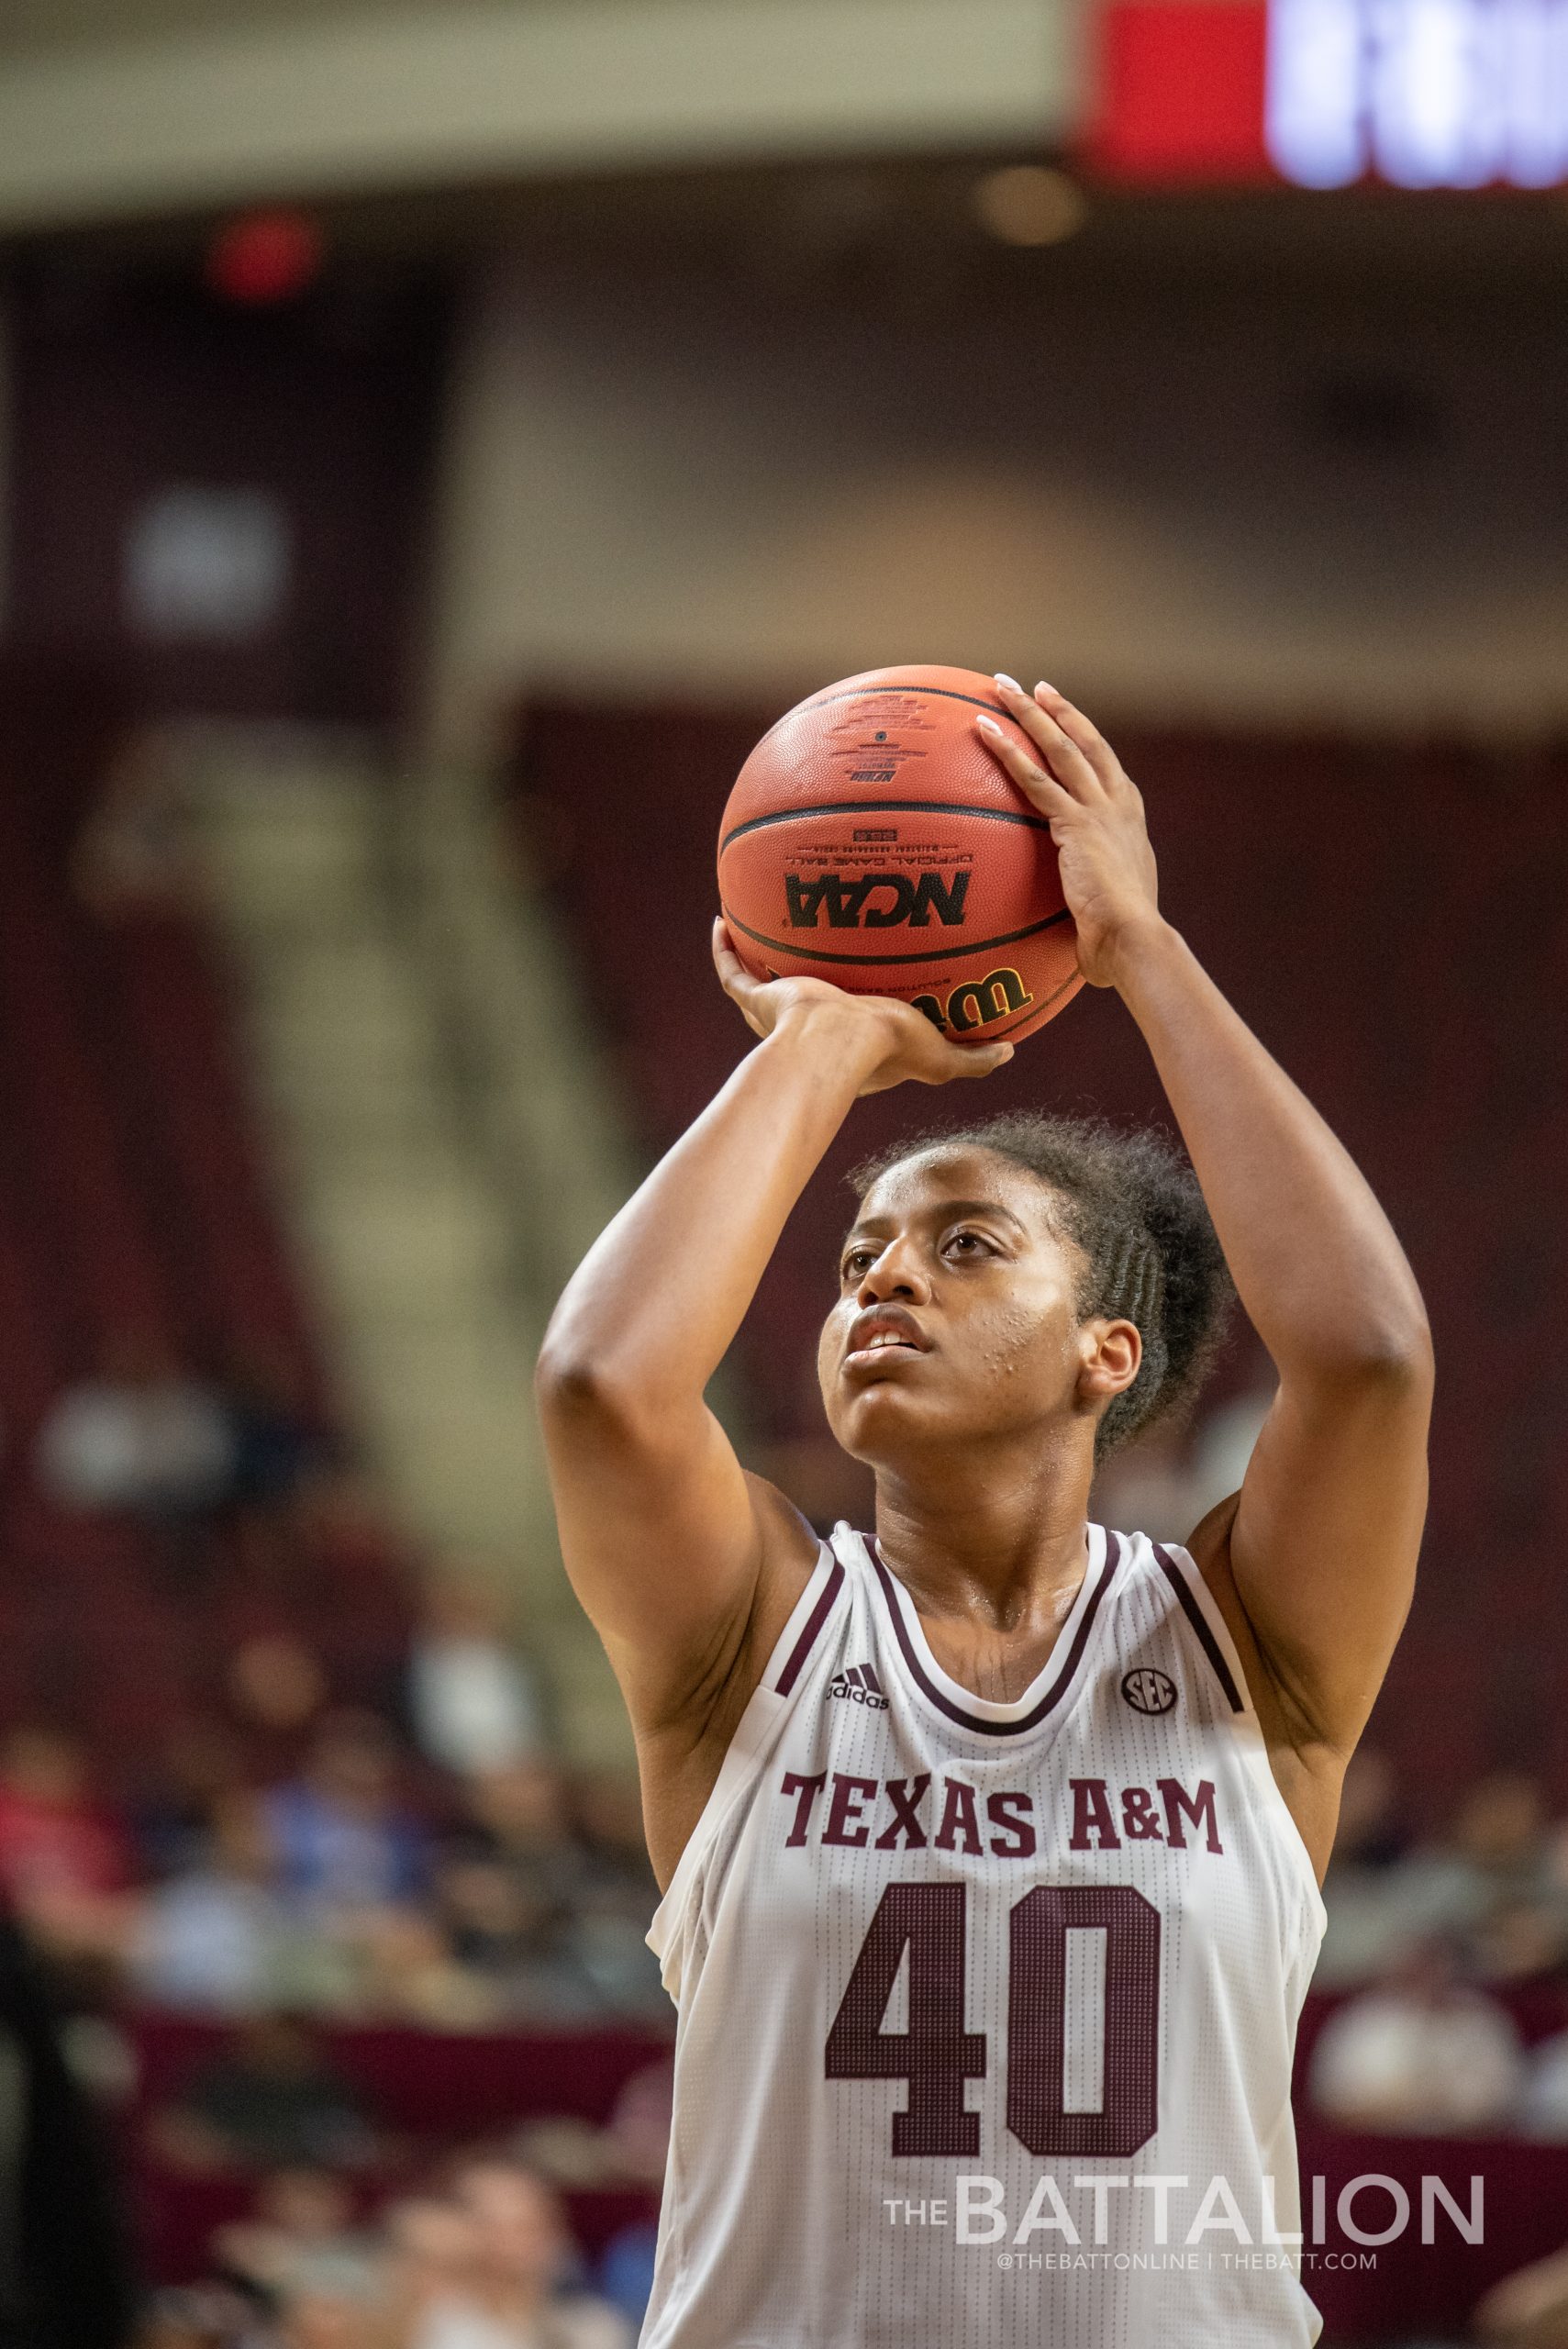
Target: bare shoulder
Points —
{"points": [[680, 1758], [1307, 1773]]}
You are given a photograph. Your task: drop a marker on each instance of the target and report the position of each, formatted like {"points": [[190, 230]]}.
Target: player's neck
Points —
{"points": [[1001, 1551]]}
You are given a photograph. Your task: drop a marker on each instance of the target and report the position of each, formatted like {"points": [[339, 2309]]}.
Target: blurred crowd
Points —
{"points": [[1445, 1951], [391, 1838], [442, 1869], [476, 2255]]}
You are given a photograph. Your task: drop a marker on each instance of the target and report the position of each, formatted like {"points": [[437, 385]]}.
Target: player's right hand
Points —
{"points": [[893, 1042]]}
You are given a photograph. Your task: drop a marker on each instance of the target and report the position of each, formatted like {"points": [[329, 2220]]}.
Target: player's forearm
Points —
{"points": [[655, 1304], [1315, 1258]]}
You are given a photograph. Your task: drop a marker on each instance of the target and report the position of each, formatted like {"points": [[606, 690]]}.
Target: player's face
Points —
{"points": [[957, 1320]]}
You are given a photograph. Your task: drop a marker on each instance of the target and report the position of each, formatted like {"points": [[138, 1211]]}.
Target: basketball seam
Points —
{"points": [[806, 813], [932, 954]]}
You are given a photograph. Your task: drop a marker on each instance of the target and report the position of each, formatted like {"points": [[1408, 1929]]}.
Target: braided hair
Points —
{"points": [[1132, 1205]]}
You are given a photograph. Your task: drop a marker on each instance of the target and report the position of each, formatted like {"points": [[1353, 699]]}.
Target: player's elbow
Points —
{"points": [[586, 1386], [1386, 1357], [1396, 1347]]}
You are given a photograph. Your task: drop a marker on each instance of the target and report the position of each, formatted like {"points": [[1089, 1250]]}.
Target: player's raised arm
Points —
{"points": [[1319, 1547], [664, 1536]]}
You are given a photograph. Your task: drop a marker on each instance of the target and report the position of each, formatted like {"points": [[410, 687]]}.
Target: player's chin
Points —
{"points": [[868, 1406]]}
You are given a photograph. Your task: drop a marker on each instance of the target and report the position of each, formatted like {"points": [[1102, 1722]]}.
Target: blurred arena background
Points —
{"points": [[435, 440]]}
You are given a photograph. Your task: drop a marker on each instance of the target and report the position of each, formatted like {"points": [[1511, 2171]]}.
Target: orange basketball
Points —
{"points": [[872, 839]]}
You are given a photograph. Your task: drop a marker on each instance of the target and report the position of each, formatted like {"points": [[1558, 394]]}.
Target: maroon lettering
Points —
{"points": [[1092, 1816], [1002, 1810], [806, 1791], [844, 1822], [1037, 2021], [1198, 1809], [959, 1818], [936, 2055], [906, 1795], [1138, 1823]]}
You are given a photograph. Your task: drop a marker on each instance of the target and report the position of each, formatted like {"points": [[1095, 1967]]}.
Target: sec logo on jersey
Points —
{"points": [[1147, 1691]]}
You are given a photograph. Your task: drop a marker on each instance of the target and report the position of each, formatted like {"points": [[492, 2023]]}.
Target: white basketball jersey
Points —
{"points": [[987, 2011]]}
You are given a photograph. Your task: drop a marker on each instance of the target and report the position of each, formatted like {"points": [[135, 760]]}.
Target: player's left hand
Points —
{"points": [[1096, 812]]}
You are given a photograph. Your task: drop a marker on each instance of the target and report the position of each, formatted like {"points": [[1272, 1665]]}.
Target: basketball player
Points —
{"points": [[991, 1839]]}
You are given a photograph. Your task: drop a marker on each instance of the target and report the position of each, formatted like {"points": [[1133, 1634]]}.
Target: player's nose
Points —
{"points": [[898, 1271]]}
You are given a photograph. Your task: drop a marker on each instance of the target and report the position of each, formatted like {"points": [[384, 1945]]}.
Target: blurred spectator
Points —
{"points": [[210, 1939], [508, 1888], [142, 1435], [1497, 1853], [277, 1443], [1544, 2101], [433, 2252], [301, 2225], [518, 1817], [196, 1768], [625, 2274], [276, 1688], [271, 2101], [206, 2316], [616, 1894], [134, 854], [63, 1866], [1370, 1833], [333, 2312], [343, 1525], [1492, 1884], [1422, 2054], [407, 1972], [1529, 2308], [343, 1837], [1366, 1895], [473, 1706], [639, 2122], [515, 2298], [1500, 1846]]}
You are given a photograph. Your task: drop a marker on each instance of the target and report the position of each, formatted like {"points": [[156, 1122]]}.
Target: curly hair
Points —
{"points": [[1131, 1204]]}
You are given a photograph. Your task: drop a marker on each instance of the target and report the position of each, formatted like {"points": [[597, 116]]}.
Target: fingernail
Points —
{"points": [[1011, 685], [988, 725], [1043, 688]]}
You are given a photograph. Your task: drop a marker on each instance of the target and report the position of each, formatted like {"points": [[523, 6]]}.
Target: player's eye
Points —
{"points": [[968, 1245], [857, 1261]]}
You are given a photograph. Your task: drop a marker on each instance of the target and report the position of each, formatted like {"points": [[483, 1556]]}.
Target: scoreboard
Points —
{"points": [[1323, 94]]}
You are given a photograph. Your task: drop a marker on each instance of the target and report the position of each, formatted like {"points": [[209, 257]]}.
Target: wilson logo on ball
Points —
{"points": [[977, 1002], [875, 900]]}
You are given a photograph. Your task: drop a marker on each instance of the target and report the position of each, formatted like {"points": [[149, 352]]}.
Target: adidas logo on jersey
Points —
{"points": [[859, 1686]]}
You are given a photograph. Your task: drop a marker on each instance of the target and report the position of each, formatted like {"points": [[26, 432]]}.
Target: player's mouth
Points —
{"points": [[885, 1334]]}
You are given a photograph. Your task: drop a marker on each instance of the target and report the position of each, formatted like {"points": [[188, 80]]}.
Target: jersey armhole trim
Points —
{"points": [[1210, 1633], [810, 1630]]}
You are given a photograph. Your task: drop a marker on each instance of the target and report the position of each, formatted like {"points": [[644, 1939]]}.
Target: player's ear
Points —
{"points": [[1110, 1355]]}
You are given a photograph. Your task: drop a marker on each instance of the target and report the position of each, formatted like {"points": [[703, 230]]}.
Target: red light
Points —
{"points": [[264, 257]]}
